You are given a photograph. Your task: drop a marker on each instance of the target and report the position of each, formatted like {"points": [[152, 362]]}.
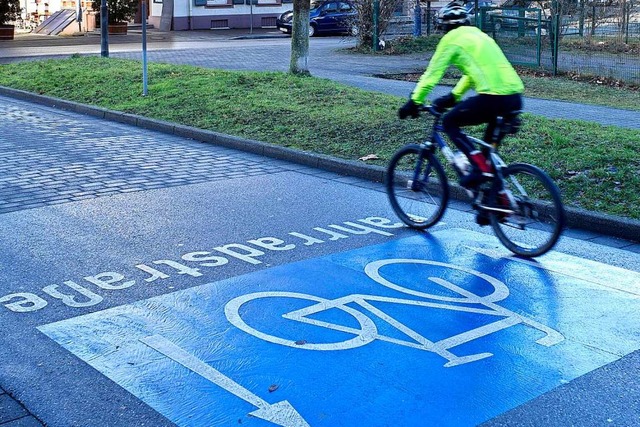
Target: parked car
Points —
{"points": [[513, 18], [471, 6], [471, 9], [328, 16]]}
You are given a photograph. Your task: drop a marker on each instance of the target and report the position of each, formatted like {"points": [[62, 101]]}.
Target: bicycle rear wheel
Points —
{"points": [[538, 218], [417, 187]]}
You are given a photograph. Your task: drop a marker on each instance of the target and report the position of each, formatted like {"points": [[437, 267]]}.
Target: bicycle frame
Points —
{"points": [[437, 140], [440, 142]]}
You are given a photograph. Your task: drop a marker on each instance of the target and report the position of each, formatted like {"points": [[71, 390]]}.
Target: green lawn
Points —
{"points": [[597, 167]]}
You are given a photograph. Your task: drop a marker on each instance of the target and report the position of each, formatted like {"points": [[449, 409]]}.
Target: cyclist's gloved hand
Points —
{"points": [[409, 109], [443, 103]]}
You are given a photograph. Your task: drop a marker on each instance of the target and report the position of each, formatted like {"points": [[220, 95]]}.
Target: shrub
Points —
{"points": [[9, 11], [119, 10]]}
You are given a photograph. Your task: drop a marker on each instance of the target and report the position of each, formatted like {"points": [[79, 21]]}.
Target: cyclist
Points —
{"points": [[485, 69]]}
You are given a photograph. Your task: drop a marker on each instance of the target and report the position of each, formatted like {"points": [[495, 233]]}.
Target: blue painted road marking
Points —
{"points": [[366, 331], [430, 330]]}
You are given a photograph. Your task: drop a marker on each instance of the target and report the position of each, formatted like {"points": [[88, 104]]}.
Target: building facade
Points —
{"points": [[218, 14]]}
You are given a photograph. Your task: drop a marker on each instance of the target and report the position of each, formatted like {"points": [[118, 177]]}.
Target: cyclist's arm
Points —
{"points": [[463, 85], [437, 66]]}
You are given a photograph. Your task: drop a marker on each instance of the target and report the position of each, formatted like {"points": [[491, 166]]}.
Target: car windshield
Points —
{"points": [[315, 4]]}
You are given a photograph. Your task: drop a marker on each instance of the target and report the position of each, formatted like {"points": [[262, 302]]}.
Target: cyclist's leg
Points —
{"points": [[502, 105], [468, 112], [488, 134], [472, 111]]}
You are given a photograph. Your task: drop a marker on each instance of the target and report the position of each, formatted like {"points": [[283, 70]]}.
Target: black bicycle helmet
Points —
{"points": [[453, 14]]}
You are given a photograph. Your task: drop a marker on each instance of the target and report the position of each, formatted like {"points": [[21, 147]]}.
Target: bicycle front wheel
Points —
{"points": [[538, 216], [417, 187]]}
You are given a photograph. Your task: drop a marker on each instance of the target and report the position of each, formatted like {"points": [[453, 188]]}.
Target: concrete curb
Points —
{"points": [[610, 225], [261, 36]]}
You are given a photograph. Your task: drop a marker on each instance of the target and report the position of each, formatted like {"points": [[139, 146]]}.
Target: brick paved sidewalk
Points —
{"points": [[13, 414]]}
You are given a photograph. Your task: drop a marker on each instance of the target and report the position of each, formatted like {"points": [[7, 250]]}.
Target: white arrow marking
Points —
{"points": [[281, 413]]}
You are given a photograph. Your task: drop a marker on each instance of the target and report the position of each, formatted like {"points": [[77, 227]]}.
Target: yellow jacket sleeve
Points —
{"points": [[482, 63]]}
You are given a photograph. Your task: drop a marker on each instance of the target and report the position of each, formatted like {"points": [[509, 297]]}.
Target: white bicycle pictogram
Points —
{"points": [[368, 331]]}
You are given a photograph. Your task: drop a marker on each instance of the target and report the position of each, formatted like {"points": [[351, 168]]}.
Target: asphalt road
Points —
{"points": [[115, 234]]}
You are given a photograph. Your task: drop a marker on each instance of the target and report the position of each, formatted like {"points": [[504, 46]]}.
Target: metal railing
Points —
{"points": [[594, 40]]}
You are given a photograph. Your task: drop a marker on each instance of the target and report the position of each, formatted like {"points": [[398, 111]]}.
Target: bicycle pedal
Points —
{"points": [[482, 219]]}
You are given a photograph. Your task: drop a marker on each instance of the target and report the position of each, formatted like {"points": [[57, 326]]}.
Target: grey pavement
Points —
{"points": [[14, 414], [73, 169]]}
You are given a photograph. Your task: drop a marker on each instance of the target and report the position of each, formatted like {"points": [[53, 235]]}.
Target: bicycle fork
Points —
{"points": [[415, 183]]}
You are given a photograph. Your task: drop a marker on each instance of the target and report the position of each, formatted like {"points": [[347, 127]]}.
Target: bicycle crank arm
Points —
{"points": [[492, 209]]}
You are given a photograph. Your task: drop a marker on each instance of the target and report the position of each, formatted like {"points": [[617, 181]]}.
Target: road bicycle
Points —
{"points": [[522, 203]]}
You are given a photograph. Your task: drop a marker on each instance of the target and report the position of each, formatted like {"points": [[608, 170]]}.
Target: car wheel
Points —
{"points": [[497, 26], [354, 30], [312, 30]]}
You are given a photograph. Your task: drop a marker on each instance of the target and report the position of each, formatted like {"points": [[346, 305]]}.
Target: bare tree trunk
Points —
{"points": [[623, 19], [300, 38]]}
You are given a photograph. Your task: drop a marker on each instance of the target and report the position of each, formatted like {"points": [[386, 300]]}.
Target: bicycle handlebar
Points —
{"points": [[431, 110]]}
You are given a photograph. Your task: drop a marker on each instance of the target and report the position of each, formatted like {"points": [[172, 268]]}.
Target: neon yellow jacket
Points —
{"points": [[481, 61]]}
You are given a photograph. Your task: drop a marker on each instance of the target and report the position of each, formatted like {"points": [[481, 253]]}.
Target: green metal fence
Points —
{"points": [[592, 40], [519, 31], [601, 40], [589, 39]]}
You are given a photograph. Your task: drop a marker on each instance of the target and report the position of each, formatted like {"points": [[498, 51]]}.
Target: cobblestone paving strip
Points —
{"points": [[13, 414], [49, 158]]}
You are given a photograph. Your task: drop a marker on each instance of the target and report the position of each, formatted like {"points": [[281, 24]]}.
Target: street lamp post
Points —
{"points": [[79, 15], [144, 49], [104, 29], [417, 20], [376, 13]]}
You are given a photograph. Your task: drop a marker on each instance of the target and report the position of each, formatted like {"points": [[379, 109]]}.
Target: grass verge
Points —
{"points": [[595, 166]]}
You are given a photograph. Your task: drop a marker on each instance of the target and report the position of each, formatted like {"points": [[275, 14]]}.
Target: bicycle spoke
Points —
{"points": [[417, 187], [538, 218]]}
